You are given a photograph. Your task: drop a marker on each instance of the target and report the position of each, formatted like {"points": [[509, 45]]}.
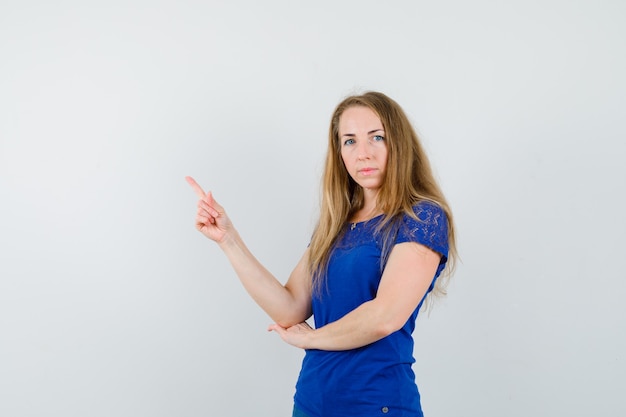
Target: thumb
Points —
{"points": [[211, 201], [274, 327]]}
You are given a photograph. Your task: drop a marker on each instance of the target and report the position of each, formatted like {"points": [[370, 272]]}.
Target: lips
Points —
{"points": [[366, 171]]}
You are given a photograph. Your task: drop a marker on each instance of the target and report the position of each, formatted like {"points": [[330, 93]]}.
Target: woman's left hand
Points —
{"points": [[296, 335]]}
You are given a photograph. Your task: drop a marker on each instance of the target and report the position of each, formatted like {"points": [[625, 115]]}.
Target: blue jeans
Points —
{"points": [[298, 413]]}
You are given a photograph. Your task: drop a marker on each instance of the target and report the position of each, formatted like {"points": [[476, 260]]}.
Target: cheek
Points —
{"points": [[384, 156], [349, 167], [383, 161]]}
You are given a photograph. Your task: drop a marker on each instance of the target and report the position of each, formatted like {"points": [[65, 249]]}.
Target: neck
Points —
{"points": [[369, 209], [364, 214]]}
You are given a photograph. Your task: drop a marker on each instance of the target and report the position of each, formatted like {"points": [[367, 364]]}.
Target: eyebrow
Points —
{"points": [[369, 133]]}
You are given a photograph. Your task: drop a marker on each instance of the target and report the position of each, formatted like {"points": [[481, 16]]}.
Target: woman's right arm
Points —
{"points": [[287, 304]]}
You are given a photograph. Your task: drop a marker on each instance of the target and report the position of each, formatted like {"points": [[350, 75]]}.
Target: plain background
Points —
{"points": [[111, 304]]}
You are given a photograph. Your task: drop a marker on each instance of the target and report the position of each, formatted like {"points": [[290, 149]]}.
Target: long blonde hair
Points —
{"points": [[409, 179]]}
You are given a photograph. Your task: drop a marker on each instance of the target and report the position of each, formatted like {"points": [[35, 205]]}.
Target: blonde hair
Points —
{"points": [[409, 179]]}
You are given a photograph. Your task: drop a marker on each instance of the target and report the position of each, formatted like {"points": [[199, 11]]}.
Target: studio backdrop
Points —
{"points": [[112, 304]]}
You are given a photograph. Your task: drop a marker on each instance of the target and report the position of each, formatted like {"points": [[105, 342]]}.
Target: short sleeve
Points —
{"points": [[429, 229]]}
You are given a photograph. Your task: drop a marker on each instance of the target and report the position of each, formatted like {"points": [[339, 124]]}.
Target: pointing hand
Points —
{"points": [[211, 219]]}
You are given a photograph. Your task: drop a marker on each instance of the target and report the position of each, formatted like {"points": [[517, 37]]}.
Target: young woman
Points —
{"points": [[383, 243]]}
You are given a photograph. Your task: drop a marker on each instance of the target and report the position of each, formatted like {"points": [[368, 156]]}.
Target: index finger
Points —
{"points": [[196, 187]]}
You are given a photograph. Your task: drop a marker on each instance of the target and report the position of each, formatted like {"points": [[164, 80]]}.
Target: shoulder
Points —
{"points": [[427, 225], [428, 212]]}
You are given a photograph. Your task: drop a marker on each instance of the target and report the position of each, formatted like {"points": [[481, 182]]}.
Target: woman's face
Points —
{"points": [[363, 146]]}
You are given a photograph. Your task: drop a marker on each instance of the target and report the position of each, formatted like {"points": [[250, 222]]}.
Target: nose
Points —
{"points": [[363, 150]]}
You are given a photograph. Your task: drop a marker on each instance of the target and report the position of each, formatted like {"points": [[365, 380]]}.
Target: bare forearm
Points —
{"points": [[286, 304], [362, 326], [263, 287]]}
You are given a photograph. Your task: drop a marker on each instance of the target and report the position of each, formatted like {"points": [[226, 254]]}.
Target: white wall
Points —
{"points": [[111, 304]]}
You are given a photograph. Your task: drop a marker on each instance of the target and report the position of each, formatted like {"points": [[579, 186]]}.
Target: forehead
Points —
{"points": [[356, 119]]}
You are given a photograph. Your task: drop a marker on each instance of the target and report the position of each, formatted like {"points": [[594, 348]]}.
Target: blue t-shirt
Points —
{"points": [[377, 379]]}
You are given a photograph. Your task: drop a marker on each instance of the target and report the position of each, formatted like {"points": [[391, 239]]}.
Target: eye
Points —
{"points": [[348, 142], [378, 138]]}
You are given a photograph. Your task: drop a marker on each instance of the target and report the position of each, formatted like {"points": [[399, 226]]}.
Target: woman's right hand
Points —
{"points": [[211, 219]]}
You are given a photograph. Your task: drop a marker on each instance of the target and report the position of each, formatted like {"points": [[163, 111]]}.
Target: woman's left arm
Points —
{"points": [[408, 274]]}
